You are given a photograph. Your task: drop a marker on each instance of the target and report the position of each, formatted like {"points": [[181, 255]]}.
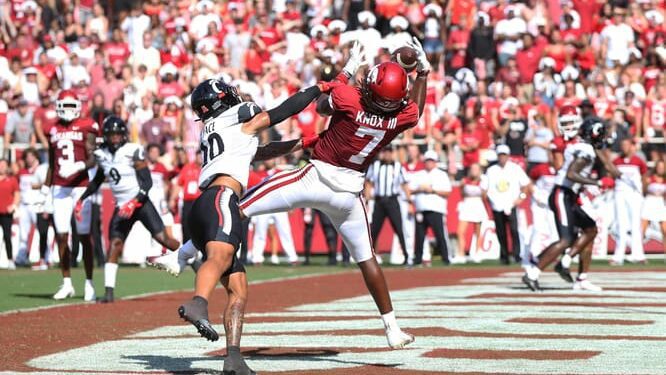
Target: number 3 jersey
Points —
{"points": [[119, 170], [225, 148], [354, 136], [68, 144]]}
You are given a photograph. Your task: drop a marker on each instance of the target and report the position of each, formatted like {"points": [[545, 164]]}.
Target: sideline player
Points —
{"points": [[587, 141], [72, 141], [123, 164], [228, 145], [364, 120]]}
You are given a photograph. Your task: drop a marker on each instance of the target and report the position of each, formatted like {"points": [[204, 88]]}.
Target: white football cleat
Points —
{"points": [[89, 293], [168, 262], [275, 259], [586, 285], [398, 339], [64, 292], [11, 265]]}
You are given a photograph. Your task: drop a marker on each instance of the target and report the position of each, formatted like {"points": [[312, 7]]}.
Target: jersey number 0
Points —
{"points": [[212, 148]]}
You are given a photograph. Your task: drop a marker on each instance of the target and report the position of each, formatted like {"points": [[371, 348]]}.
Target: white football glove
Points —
{"points": [[356, 59], [423, 65], [67, 170]]}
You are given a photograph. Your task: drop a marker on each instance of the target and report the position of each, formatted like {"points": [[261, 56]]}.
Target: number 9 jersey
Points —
{"points": [[225, 149], [119, 170], [68, 142]]}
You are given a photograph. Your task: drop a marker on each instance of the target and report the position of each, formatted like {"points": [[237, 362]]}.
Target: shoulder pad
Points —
{"points": [[247, 111]]}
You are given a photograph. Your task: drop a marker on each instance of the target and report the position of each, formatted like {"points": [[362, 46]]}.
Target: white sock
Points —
{"points": [[533, 272], [582, 276], [185, 253], [566, 260], [389, 321], [110, 270], [67, 281]]}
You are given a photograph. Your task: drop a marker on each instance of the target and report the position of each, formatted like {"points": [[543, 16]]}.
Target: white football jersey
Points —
{"points": [[119, 170], [571, 153], [225, 149]]}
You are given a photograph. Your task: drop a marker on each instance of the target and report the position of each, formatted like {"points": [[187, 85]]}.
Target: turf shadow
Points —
{"points": [[34, 295], [172, 365]]}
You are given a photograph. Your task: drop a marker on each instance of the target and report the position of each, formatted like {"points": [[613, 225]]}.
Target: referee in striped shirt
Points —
{"points": [[385, 178]]}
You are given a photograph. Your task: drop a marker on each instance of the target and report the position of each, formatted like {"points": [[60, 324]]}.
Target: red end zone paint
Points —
{"points": [[511, 354]]}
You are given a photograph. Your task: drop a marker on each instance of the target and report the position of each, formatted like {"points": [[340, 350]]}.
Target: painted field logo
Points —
{"points": [[485, 325]]}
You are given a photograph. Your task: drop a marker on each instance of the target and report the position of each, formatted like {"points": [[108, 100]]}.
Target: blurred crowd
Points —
{"points": [[502, 70]]}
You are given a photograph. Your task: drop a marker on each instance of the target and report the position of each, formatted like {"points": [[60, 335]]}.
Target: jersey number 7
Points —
{"points": [[377, 136]]}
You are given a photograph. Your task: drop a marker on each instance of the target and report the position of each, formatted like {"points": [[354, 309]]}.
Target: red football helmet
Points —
{"points": [[68, 105], [569, 121], [385, 87]]}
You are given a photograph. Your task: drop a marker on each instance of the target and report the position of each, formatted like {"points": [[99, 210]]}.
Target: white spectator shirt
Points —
{"points": [[619, 38], [73, 74], [135, 27], [510, 28], [450, 104], [296, 45], [438, 180], [27, 193], [150, 57], [371, 40], [632, 169], [504, 184], [199, 24]]}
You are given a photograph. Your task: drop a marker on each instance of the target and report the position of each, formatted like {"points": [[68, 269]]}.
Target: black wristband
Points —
{"points": [[293, 105]]}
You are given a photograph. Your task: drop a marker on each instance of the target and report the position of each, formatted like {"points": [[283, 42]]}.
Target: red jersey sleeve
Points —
{"points": [[345, 98]]}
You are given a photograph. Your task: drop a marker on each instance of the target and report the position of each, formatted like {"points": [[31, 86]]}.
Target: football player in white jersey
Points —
{"points": [[587, 141], [123, 165], [229, 141]]}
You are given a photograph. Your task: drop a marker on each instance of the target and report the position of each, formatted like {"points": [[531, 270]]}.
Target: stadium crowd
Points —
{"points": [[502, 73]]}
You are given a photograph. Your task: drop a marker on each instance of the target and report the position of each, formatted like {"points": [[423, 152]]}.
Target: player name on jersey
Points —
{"points": [[69, 135], [375, 121]]}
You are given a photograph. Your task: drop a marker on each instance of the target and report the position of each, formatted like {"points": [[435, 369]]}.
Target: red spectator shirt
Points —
{"points": [[355, 136], [68, 142], [170, 89], [568, 101], [485, 129], [117, 53], [307, 119], [469, 138], [527, 61], [188, 180], [588, 11], [656, 113], [8, 186], [604, 107]]}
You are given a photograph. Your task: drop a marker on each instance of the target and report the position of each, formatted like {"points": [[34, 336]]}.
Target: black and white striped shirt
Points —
{"points": [[386, 178]]}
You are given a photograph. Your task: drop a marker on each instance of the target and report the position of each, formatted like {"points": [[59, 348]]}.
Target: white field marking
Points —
{"points": [[152, 294], [152, 351]]}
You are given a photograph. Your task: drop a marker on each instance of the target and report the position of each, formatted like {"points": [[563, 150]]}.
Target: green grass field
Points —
{"points": [[24, 288]]}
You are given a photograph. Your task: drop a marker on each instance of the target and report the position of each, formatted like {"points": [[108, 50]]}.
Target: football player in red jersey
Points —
{"points": [[364, 119], [72, 141]]}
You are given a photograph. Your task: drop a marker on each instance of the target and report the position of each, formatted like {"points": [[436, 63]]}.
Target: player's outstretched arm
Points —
{"points": [[293, 105], [274, 149], [94, 185], [610, 167], [418, 93]]}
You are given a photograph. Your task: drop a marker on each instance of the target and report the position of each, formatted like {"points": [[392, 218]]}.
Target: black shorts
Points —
{"points": [[569, 215], [146, 214], [215, 216]]}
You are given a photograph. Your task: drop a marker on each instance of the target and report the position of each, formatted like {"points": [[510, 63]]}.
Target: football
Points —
{"points": [[406, 57]]}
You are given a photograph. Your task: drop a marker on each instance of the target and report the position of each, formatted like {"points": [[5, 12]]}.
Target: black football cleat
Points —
{"points": [[196, 313], [108, 296], [235, 365], [532, 284], [564, 273]]}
